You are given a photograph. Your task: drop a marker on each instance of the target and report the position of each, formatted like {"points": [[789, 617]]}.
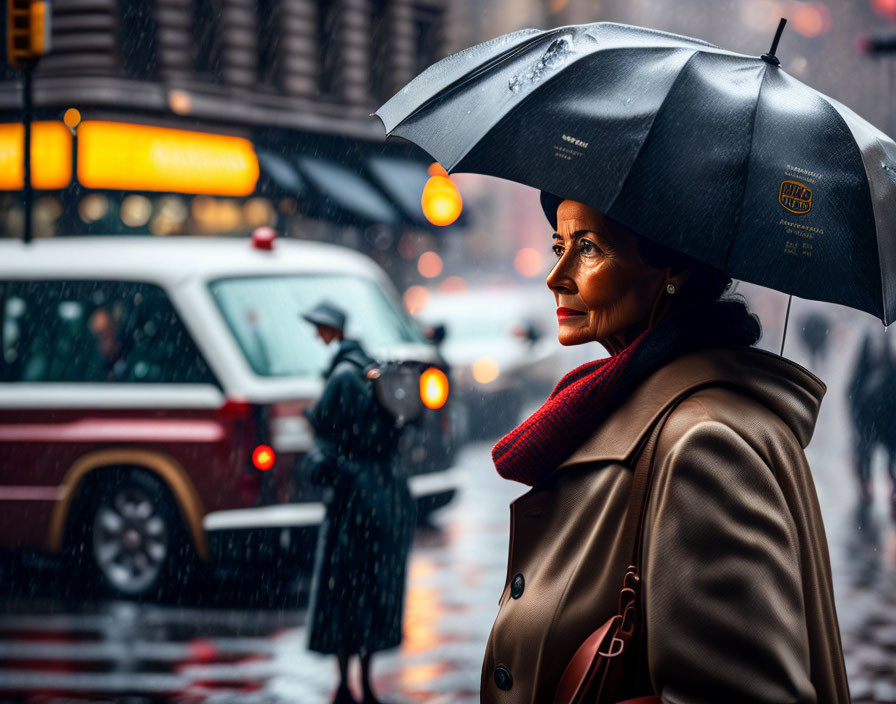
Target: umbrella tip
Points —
{"points": [[770, 57]]}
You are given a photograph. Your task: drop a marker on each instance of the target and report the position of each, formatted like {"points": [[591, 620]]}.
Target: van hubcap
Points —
{"points": [[130, 540]]}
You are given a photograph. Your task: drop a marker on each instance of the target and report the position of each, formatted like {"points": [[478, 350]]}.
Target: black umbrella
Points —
{"points": [[722, 156]]}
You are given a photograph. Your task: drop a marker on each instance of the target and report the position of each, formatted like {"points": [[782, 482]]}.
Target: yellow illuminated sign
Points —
{"points": [[121, 156], [51, 156]]}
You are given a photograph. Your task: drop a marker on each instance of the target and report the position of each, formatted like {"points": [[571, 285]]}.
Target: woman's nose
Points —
{"points": [[560, 279]]}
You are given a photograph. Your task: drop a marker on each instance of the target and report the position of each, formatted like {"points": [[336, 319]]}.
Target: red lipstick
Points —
{"points": [[563, 313]]}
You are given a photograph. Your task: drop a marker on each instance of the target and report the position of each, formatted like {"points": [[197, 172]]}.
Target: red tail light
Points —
{"points": [[263, 457]]}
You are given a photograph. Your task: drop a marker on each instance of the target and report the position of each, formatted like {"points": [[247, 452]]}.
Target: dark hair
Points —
{"points": [[705, 283]]}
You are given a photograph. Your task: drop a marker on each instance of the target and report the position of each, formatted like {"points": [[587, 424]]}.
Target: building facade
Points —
{"points": [[216, 116]]}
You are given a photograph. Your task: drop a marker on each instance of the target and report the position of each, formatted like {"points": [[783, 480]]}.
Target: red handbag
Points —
{"points": [[610, 657]]}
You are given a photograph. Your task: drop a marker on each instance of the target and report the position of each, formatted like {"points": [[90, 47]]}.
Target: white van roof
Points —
{"points": [[168, 261]]}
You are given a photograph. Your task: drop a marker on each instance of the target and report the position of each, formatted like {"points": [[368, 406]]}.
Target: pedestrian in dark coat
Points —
{"points": [[357, 594]]}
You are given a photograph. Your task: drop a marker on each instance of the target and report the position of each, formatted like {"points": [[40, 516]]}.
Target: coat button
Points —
{"points": [[517, 586], [503, 678]]}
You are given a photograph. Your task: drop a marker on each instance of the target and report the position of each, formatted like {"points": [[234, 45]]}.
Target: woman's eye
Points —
{"points": [[588, 247]]}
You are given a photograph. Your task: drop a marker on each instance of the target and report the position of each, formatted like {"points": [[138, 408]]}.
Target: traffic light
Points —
{"points": [[27, 31]]}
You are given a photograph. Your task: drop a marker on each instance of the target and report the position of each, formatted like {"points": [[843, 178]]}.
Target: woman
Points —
{"points": [[736, 593], [357, 592]]}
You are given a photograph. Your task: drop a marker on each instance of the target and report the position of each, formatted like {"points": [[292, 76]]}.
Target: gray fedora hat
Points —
{"points": [[326, 313]]}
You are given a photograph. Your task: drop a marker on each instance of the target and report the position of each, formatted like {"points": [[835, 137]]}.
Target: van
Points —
{"points": [[152, 400]]}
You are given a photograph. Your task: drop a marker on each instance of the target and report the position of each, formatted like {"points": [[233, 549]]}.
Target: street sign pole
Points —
{"points": [[27, 190], [28, 36]]}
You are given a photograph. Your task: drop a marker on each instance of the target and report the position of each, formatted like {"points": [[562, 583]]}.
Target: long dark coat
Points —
{"points": [[736, 581], [357, 593]]}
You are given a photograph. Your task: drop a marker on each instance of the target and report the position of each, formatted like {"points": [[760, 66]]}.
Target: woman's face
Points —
{"points": [[602, 286]]}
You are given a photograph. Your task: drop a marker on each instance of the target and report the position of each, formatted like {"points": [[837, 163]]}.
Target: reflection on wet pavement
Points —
{"points": [[109, 651]]}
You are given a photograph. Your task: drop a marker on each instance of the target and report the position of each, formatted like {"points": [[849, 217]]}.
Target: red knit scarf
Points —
{"points": [[585, 396], [533, 449]]}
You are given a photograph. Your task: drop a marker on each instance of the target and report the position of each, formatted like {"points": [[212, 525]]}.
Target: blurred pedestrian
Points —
{"points": [[814, 332], [357, 593], [872, 402], [672, 519]]}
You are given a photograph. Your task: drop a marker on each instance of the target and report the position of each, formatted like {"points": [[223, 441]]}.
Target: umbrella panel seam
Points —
{"points": [[746, 179], [653, 121]]}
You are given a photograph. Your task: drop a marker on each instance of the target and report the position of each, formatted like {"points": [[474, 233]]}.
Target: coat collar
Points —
{"points": [[790, 391], [348, 349]]}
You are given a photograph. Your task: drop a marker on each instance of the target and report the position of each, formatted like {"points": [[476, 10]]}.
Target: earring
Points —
{"points": [[671, 289]]}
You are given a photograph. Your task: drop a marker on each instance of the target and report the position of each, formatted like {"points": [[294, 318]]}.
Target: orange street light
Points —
{"points": [[441, 201]]}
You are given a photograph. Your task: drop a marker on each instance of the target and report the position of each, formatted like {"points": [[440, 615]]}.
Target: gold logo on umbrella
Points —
{"points": [[795, 197]]}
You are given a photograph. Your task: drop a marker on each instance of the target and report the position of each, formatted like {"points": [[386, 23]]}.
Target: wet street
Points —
{"points": [[118, 651], [112, 651]]}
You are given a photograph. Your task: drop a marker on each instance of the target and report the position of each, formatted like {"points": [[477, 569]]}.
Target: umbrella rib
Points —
{"points": [[656, 114], [472, 75], [740, 214]]}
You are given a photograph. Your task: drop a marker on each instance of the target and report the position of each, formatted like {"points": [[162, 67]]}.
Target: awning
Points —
{"points": [[341, 190], [280, 172], [403, 180]]}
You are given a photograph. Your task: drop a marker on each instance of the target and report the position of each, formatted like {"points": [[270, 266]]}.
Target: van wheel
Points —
{"points": [[133, 535]]}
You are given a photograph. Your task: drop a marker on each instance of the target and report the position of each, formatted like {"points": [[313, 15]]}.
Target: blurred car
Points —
{"points": [[152, 396], [502, 346]]}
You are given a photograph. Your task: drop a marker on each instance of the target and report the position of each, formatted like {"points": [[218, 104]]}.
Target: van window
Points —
{"points": [[95, 331], [264, 315]]}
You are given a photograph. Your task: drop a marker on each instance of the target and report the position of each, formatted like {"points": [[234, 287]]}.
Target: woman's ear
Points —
{"points": [[676, 278]]}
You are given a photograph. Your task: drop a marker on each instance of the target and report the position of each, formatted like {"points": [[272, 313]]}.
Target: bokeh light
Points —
{"points": [[180, 101], [135, 210], [887, 8], [441, 201], [258, 212], [93, 207], [485, 370], [453, 284], [415, 299], [528, 261], [429, 265], [811, 19], [72, 118]]}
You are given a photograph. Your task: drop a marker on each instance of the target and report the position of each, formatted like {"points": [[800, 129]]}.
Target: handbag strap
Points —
{"points": [[639, 496]]}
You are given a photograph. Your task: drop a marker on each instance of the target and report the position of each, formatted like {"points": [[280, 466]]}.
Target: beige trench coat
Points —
{"points": [[737, 593]]}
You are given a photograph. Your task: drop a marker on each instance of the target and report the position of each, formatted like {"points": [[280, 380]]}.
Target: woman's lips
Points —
{"points": [[563, 313]]}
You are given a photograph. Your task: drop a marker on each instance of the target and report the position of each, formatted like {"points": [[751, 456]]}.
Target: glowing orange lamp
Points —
{"points": [[441, 201], [433, 388]]}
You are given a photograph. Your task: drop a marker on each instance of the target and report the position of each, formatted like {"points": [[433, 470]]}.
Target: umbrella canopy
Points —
{"points": [[719, 155]]}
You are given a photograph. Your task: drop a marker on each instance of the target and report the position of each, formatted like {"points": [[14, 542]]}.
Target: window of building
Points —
{"points": [[207, 38], [380, 48], [327, 47], [137, 30], [95, 332], [269, 13], [427, 23]]}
